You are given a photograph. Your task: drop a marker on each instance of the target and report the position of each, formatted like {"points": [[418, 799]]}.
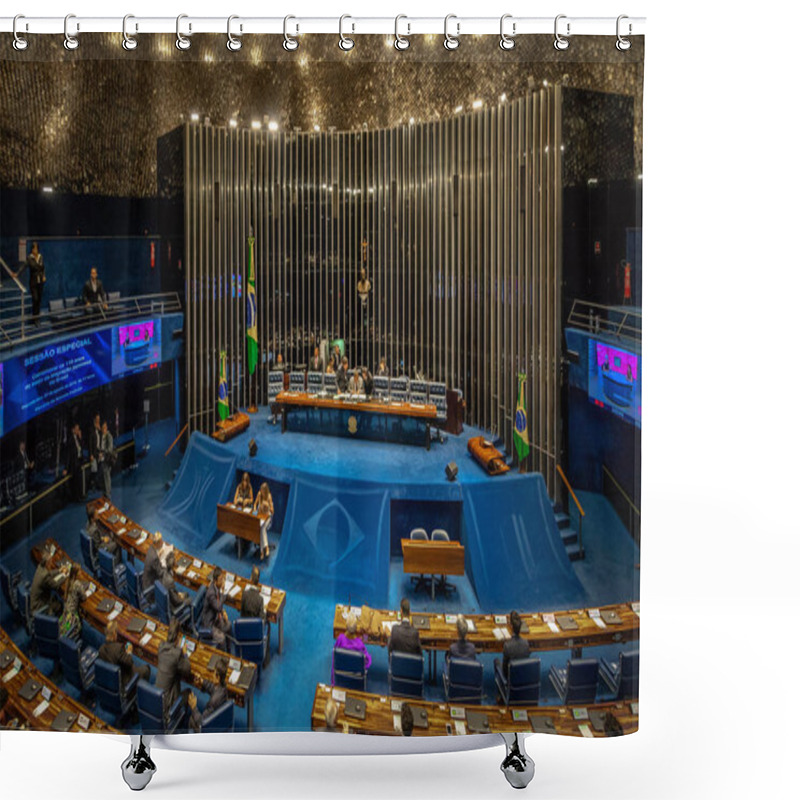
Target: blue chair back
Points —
{"points": [[203, 634], [628, 675], [162, 603], [108, 687], [45, 631], [88, 552], [419, 534], [405, 674], [150, 702], [8, 583], [524, 681], [77, 663], [440, 535], [249, 640], [463, 680], [581, 681], [221, 721], [133, 586], [349, 669], [24, 605], [111, 574]]}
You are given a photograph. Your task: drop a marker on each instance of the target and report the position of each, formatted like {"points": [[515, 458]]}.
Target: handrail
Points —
{"points": [[578, 506], [621, 490], [583, 314], [177, 439], [13, 275]]}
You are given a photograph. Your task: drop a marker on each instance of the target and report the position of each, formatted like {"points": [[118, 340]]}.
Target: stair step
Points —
{"points": [[569, 536], [562, 519], [574, 553]]}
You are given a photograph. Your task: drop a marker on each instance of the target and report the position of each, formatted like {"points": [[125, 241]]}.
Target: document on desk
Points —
{"points": [[42, 707], [13, 672], [635, 608], [234, 591], [145, 639], [339, 695], [550, 621], [387, 626], [471, 625], [594, 616], [461, 728], [501, 633]]}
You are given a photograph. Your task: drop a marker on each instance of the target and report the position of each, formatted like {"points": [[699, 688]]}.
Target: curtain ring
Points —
{"points": [[70, 41], [450, 42], [234, 42], [507, 42], [623, 43], [400, 42], [182, 42], [561, 42], [19, 42], [128, 42], [289, 42], [345, 42]]}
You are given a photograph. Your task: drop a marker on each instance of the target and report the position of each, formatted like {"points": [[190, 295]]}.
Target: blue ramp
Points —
{"points": [[204, 479], [335, 540], [513, 548]]}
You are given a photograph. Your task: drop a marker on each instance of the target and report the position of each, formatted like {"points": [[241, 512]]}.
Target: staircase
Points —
{"points": [[569, 536], [13, 304]]}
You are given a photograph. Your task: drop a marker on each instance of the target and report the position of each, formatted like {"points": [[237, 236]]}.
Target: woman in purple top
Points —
{"points": [[349, 641]]}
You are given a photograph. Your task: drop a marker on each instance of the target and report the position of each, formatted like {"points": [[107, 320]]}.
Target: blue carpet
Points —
{"points": [[285, 692]]}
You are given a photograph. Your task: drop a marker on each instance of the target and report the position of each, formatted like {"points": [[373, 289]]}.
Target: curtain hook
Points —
{"points": [[182, 42], [234, 42], [451, 42], [128, 42], [70, 41], [345, 43], [19, 42], [289, 42], [561, 42], [400, 42], [507, 42], [622, 42]]}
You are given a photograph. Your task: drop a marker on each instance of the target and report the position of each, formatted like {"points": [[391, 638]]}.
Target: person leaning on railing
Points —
{"points": [[35, 266]]}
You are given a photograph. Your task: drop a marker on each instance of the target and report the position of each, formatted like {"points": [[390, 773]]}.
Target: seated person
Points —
{"points": [[69, 623], [331, 368], [462, 648], [153, 568], [244, 492], [350, 641], [119, 654], [44, 586], [265, 508], [368, 382], [279, 366], [405, 637], [172, 667], [177, 600], [356, 384], [515, 647], [217, 696], [406, 719], [252, 601], [331, 713], [383, 370], [337, 357], [214, 615], [100, 540], [341, 376]]}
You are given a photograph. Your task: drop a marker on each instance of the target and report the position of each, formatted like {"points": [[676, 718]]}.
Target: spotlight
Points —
{"points": [[47, 189], [253, 447], [316, 128], [411, 121], [255, 125], [232, 122], [451, 470], [194, 117], [503, 97], [476, 104], [459, 109], [273, 126]]}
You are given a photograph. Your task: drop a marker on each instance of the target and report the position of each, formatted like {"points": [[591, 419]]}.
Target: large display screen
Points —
{"points": [[615, 381], [44, 377]]}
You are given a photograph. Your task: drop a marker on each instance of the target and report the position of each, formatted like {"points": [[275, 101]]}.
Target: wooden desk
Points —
{"points": [[422, 557], [442, 632], [148, 651], [198, 574], [232, 426], [59, 700], [244, 525], [380, 715], [425, 413]]}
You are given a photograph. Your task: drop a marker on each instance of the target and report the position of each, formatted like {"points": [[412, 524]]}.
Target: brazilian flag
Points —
{"points": [[521, 442], [223, 406], [252, 327]]}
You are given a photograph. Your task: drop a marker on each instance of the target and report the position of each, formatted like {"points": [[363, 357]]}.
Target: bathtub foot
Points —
{"points": [[517, 766], [138, 768]]}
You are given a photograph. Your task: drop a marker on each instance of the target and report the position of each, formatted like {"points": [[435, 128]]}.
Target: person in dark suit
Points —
{"points": [[368, 382], [462, 648], [405, 637], [406, 719], [217, 696], [177, 600], [383, 370], [316, 364], [74, 463], [214, 615], [516, 646], [44, 585], [93, 295], [25, 464], [100, 540], [341, 376], [95, 446], [36, 277], [337, 357], [153, 568], [252, 602], [118, 654], [173, 667]]}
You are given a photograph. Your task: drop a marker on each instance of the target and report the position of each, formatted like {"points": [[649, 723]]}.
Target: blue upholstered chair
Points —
{"points": [[152, 716], [115, 698], [77, 663], [621, 676], [576, 684], [164, 608], [204, 634], [221, 721], [89, 553], [8, 583], [136, 595], [405, 674], [45, 632], [349, 669], [111, 574], [523, 684], [463, 680], [250, 639], [24, 606]]}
